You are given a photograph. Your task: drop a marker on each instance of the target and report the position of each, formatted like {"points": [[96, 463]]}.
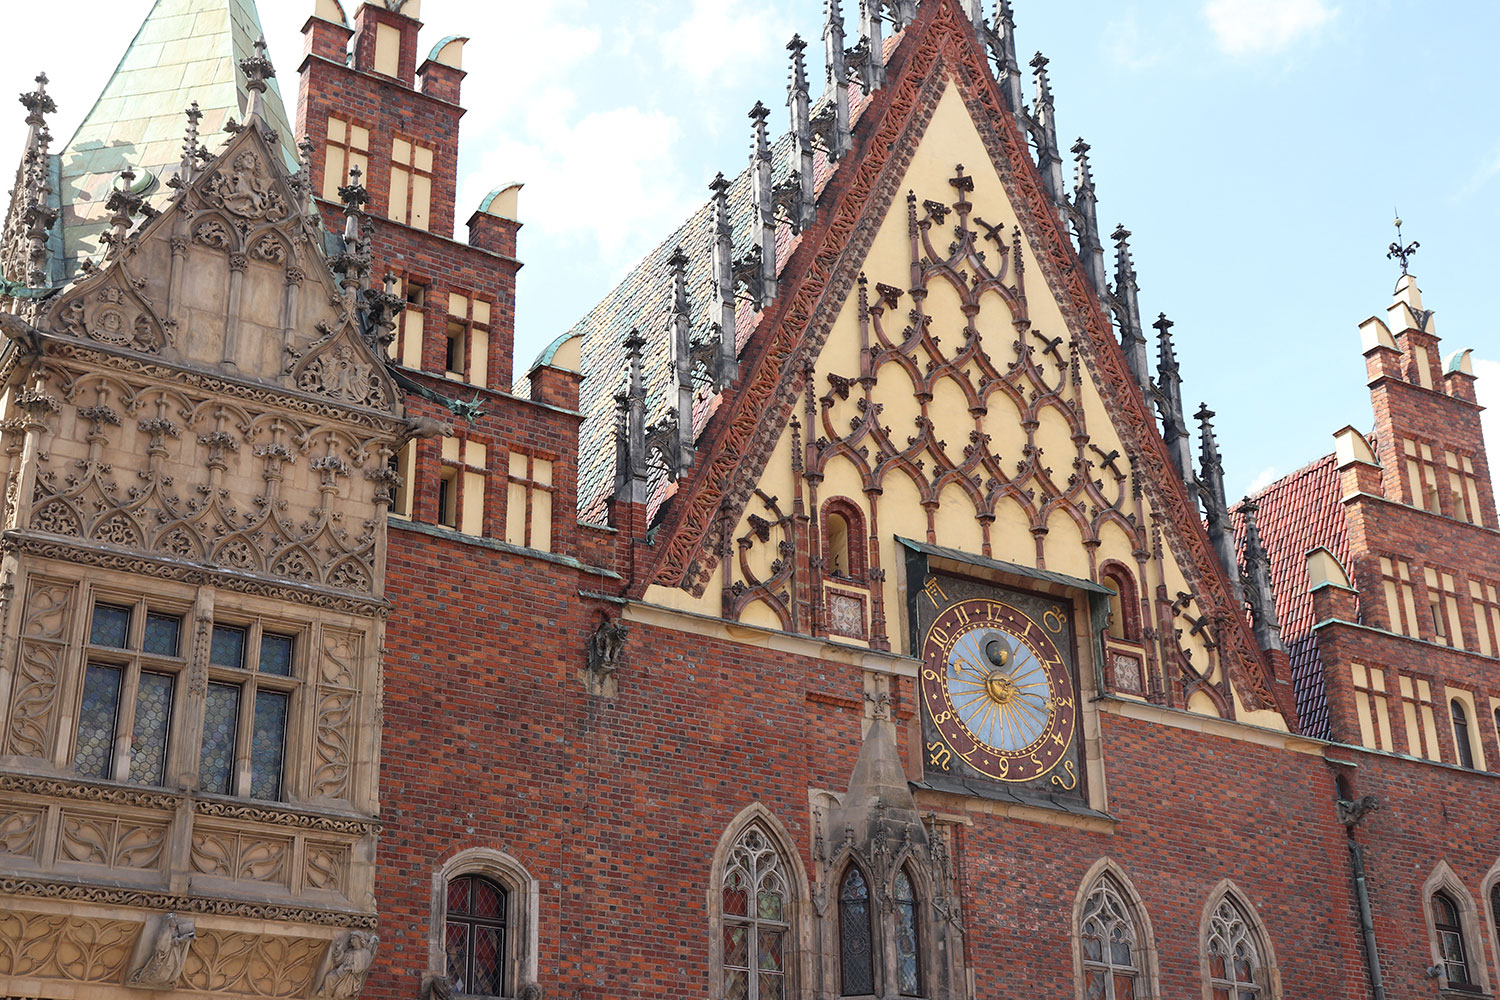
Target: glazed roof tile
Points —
{"points": [[1299, 513]]}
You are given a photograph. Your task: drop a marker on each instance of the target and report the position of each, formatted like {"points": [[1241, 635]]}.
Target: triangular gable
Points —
{"points": [[818, 284], [232, 276]]}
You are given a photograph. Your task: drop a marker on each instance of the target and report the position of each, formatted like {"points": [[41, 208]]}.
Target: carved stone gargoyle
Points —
{"points": [[348, 963], [435, 987], [165, 942], [1350, 813], [606, 645]]}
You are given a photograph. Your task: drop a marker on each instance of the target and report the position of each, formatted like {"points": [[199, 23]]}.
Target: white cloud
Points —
{"points": [[1265, 477], [1259, 27], [1487, 389], [724, 40]]}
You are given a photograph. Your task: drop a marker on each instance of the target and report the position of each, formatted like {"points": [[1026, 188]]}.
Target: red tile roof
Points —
{"points": [[1299, 513]]}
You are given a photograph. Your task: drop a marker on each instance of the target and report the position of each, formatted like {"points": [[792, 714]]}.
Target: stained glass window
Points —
{"points": [[757, 921], [1234, 965], [228, 647], [162, 634], [276, 655], [474, 938], [153, 715], [111, 626], [221, 715], [908, 942], [97, 718], [268, 744], [1108, 937], [1450, 935], [855, 960]]}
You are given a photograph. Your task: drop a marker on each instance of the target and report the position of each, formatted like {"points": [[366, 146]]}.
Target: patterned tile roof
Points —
{"points": [[184, 51], [1299, 513], [642, 301]]}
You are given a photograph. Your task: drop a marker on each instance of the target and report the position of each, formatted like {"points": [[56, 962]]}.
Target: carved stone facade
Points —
{"points": [[196, 444]]}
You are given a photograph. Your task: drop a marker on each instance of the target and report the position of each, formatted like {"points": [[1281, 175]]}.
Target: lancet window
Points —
{"points": [[856, 958], [757, 920], [1111, 945], [1236, 963]]}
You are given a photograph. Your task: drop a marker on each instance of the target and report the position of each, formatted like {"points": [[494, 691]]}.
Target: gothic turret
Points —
{"points": [[832, 123], [1211, 495], [802, 197], [1257, 573]]}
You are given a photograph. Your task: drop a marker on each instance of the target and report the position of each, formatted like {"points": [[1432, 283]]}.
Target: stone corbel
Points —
{"points": [[606, 646]]}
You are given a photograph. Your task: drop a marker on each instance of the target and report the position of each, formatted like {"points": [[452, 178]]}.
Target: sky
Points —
{"points": [[1257, 150]]}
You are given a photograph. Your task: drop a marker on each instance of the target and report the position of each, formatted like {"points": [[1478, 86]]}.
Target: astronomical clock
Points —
{"points": [[998, 688]]}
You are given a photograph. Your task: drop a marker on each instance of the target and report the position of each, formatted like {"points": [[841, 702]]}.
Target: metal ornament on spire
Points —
{"points": [[1399, 251]]}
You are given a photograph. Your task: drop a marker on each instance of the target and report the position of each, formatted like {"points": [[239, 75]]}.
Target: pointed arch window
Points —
{"points": [[1447, 922], [1111, 945], [475, 936], [1236, 967], [856, 965], [757, 910], [908, 936]]}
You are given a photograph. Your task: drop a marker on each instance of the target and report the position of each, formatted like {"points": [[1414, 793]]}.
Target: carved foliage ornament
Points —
{"points": [[111, 314]]}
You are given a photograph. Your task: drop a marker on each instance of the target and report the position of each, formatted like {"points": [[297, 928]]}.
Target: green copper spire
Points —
{"points": [[185, 51]]}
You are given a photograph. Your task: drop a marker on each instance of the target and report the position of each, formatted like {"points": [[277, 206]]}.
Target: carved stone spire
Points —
{"points": [[257, 70], [353, 263], [34, 189], [872, 43], [902, 13], [1215, 506], [832, 124], [630, 428], [1169, 405], [975, 10], [124, 204], [765, 202], [1086, 222], [193, 151], [1127, 309], [1044, 134], [1008, 69], [727, 365], [681, 334], [1257, 572], [803, 204]]}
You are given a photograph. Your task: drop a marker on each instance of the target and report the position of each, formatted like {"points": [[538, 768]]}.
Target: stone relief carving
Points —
{"points": [[327, 867], [65, 947], [169, 939], [606, 645], [262, 965], [151, 509], [340, 371], [111, 314], [245, 188], [243, 857], [46, 614], [349, 961], [20, 829], [334, 723], [111, 841]]}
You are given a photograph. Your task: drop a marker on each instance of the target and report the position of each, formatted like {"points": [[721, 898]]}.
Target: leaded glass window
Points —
{"points": [[757, 920], [1450, 935], [253, 679], [1234, 962], [129, 686], [908, 941], [475, 936], [856, 964], [1111, 948]]}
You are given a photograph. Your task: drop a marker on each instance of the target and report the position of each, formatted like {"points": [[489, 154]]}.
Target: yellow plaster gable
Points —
{"points": [[1052, 489]]}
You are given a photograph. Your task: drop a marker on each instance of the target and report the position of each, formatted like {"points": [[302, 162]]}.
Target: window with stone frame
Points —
{"points": [[1453, 952], [1235, 961], [347, 147], [844, 540], [461, 485], [410, 200], [1422, 475], [905, 915], [476, 936], [1485, 597], [1461, 735], [757, 909], [1442, 603], [1125, 656], [406, 345], [1463, 487], [466, 348], [253, 677], [528, 502], [1110, 944], [1400, 598], [856, 937], [1420, 717], [130, 690]]}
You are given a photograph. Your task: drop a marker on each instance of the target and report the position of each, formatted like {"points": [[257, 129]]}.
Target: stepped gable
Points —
{"points": [[185, 51], [642, 301], [1297, 514]]}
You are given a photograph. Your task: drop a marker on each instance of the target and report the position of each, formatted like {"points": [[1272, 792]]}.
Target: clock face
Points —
{"points": [[998, 692]]}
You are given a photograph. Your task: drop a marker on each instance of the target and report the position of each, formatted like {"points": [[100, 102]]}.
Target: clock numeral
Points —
{"points": [[1068, 780], [1059, 739], [961, 613], [1002, 767], [996, 611], [1053, 620], [939, 635], [1036, 762], [928, 674], [938, 755], [932, 591], [1064, 702], [941, 718]]}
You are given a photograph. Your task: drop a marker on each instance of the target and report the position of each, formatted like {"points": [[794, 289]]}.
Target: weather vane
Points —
{"points": [[1398, 250]]}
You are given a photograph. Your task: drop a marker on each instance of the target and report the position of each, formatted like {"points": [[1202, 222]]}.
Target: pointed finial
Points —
{"points": [[257, 70], [1398, 250], [1163, 328], [1007, 67], [765, 205], [1086, 221], [1080, 151], [1258, 592], [873, 44], [1125, 302], [835, 68], [799, 62], [1044, 134], [38, 103], [726, 366]]}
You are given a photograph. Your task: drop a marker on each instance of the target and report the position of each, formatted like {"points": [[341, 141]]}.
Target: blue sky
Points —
{"points": [[1256, 149]]}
